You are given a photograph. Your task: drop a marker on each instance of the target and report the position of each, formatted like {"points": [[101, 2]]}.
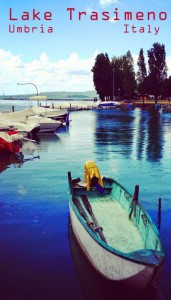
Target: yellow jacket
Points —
{"points": [[91, 170]]}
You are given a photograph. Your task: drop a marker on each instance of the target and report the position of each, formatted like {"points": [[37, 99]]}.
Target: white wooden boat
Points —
{"points": [[129, 248]]}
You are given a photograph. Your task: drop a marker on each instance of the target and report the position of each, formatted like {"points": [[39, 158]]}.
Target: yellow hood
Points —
{"points": [[91, 170]]}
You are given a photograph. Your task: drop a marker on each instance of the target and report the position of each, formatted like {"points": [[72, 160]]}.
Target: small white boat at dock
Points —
{"points": [[46, 124], [109, 104], [29, 118], [52, 113], [45, 110], [25, 128]]}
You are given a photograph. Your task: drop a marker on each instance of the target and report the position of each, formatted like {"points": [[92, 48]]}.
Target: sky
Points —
{"points": [[60, 52]]}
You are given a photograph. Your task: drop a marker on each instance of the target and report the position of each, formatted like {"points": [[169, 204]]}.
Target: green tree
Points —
{"points": [[117, 69], [157, 69], [167, 87], [124, 75], [102, 74], [129, 82], [141, 74]]}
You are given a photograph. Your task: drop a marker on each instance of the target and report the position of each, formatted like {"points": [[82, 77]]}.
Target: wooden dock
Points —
{"points": [[90, 105]]}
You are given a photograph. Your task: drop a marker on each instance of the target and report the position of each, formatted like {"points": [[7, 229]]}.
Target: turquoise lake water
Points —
{"points": [[39, 257]]}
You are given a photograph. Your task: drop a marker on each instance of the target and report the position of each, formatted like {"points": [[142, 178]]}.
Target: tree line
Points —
{"points": [[116, 78]]}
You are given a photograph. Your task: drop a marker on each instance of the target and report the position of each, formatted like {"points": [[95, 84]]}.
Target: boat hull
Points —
{"points": [[46, 124], [109, 265], [6, 146], [109, 104], [10, 144], [44, 128]]}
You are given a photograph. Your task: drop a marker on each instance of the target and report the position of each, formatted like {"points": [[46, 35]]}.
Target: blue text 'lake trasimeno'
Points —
{"points": [[39, 257]]}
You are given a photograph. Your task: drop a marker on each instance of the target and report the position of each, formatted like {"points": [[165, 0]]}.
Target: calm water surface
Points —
{"points": [[39, 257]]}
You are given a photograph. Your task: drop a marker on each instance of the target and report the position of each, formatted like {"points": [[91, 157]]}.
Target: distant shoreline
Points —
{"points": [[58, 95]]}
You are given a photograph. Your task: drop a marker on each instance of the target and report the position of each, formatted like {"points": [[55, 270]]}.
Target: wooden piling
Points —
{"points": [[159, 213]]}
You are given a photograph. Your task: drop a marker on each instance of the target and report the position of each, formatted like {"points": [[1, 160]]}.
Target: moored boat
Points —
{"points": [[57, 114], [45, 110], [31, 121], [116, 234], [26, 129], [10, 141], [46, 124], [109, 104]]}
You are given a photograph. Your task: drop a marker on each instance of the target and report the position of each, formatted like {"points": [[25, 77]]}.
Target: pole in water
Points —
{"points": [[159, 213]]}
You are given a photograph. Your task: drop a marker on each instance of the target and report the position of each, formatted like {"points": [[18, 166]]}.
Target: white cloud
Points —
{"points": [[112, 21], [70, 74], [108, 2], [90, 8]]}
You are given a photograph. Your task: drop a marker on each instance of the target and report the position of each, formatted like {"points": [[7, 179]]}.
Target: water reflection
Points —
{"points": [[139, 136], [135, 134], [114, 128], [155, 137], [14, 159], [96, 287], [8, 159], [46, 140], [41, 144]]}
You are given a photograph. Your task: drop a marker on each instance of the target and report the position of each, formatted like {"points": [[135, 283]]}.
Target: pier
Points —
{"points": [[89, 104]]}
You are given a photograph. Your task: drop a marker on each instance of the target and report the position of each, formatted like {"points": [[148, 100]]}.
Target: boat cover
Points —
{"points": [[11, 136]]}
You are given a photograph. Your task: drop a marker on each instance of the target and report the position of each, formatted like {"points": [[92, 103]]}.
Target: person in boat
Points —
{"points": [[92, 176]]}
